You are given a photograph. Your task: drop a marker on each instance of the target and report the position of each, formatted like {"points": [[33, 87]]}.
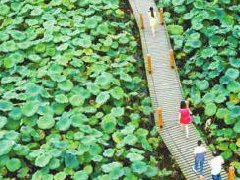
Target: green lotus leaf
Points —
{"points": [[92, 22], [130, 139], [227, 20], [102, 97], [13, 164], [208, 52], [40, 48], [202, 85], [5, 105], [17, 57], [111, 3], [151, 171], [54, 163], [210, 109], [117, 112], [177, 2], [235, 62], [58, 108], [232, 73], [37, 11], [78, 120], [85, 42], [9, 46], [4, 36], [109, 123], [61, 98], [125, 77], [4, 9], [108, 152], [76, 100], [46, 122], [43, 159], [117, 92], [235, 112], [9, 62], [134, 157], [208, 97], [139, 167], [3, 121], [16, 113], [66, 85], [30, 108], [110, 166], [175, 29], [103, 29], [227, 154], [216, 40], [116, 173], [6, 146], [220, 98], [93, 88], [80, 175], [64, 123], [32, 22], [34, 58], [33, 89], [17, 35], [233, 86], [104, 79], [71, 160], [60, 176]]}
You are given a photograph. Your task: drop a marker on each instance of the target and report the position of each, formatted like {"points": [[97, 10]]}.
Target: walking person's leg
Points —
{"points": [[187, 131], [219, 177], [153, 31], [201, 167], [195, 166], [214, 177]]}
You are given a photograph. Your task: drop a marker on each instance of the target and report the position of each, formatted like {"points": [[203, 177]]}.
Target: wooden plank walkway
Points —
{"points": [[166, 92]]}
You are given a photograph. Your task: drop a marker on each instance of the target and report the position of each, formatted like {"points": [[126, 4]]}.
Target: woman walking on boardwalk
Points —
{"points": [[153, 20], [185, 116]]}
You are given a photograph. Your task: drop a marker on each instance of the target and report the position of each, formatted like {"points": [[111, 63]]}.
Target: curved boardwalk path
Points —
{"points": [[166, 92]]}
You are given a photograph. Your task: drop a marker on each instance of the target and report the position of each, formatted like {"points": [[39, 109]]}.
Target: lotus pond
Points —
{"points": [[206, 39], [74, 101]]}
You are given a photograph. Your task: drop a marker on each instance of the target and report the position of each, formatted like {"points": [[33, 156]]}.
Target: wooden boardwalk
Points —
{"points": [[166, 92]]}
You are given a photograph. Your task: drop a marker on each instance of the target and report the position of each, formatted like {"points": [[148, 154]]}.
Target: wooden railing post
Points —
{"points": [[141, 21], [161, 16], [171, 58], [159, 117], [231, 173], [149, 63]]}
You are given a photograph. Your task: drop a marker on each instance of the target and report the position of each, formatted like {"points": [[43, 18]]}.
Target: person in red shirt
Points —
{"points": [[185, 117]]}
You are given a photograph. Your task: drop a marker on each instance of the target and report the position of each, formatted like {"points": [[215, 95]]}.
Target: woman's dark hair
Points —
{"points": [[183, 105], [199, 143], [151, 10]]}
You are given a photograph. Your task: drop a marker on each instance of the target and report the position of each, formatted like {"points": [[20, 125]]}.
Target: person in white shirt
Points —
{"points": [[152, 15], [216, 166], [199, 154]]}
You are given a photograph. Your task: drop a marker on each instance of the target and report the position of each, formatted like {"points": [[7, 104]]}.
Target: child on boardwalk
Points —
{"points": [[199, 156], [185, 116], [153, 21], [216, 166]]}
